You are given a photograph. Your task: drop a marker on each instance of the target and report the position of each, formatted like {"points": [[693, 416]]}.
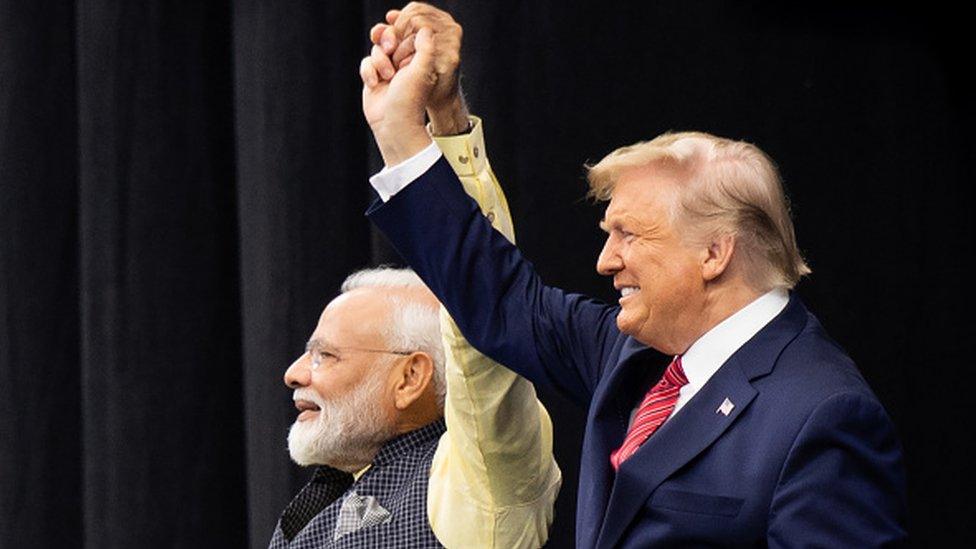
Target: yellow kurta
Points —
{"points": [[494, 480]]}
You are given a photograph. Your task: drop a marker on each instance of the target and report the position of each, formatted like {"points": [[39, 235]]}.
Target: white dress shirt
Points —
{"points": [[710, 351]]}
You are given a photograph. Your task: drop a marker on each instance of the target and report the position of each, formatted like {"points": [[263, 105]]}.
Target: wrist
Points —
{"points": [[449, 118], [398, 143]]}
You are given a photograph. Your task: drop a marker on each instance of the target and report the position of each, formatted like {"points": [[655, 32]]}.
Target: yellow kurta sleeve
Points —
{"points": [[493, 480]]}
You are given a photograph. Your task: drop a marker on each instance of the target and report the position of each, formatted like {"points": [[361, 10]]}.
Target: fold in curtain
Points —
{"points": [[182, 188]]}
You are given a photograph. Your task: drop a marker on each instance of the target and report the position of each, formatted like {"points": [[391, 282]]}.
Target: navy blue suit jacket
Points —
{"points": [[806, 458]]}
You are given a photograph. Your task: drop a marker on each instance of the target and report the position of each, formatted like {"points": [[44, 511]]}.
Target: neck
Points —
{"points": [[411, 420], [719, 303]]}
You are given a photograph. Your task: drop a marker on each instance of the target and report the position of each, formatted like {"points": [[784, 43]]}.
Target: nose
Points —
{"points": [[299, 374], [609, 261]]}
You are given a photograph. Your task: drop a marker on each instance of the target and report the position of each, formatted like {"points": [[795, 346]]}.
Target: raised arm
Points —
{"points": [[496, 476], [493, 480], [493, 293]]}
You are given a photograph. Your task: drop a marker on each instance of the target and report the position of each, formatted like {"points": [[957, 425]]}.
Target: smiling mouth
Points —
{"points": [[628, 290], [306, 408]]}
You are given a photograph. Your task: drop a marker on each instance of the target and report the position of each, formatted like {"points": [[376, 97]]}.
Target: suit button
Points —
{"points": [[491, 217], [463, 159]]}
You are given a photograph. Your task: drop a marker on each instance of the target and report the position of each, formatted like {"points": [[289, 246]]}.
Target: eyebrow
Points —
{"points": [[609, 223], [315, 343]]}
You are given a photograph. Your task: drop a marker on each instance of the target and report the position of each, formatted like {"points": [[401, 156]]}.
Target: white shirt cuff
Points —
{"points": [[391, 180]]}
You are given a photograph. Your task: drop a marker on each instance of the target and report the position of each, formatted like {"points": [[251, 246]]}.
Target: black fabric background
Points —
{"points": [[182, 187]]}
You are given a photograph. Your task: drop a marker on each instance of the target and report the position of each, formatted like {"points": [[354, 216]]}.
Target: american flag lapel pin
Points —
{"points": [[726, 407]]}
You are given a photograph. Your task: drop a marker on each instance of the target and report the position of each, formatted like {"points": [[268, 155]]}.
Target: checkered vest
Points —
{"points": [[386, 507]]}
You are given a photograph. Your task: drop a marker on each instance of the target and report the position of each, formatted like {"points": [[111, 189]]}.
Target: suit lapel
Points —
{"points": [[678, 441], [606, 427], [698, 424]]}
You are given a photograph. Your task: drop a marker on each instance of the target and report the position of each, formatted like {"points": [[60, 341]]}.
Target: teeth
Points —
{"points": [[627, 290]]}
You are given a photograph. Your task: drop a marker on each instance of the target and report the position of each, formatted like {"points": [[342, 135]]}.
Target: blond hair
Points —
{"points": [[727, 187]]}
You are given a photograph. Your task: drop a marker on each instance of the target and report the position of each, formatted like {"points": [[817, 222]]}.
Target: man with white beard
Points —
{"points": [[345, 419], [386, 371], [371, 389]]}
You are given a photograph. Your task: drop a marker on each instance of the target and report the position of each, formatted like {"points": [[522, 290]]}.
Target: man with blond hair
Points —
{"points": [[760, 431]]}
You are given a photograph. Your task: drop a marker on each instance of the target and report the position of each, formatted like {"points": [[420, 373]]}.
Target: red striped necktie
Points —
{"points": [[654, 409]]}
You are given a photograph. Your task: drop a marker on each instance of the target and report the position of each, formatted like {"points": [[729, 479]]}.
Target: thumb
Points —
{"points": [[423, 58]]}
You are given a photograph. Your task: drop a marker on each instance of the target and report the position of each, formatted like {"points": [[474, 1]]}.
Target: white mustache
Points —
{"points": [[309, 394]]}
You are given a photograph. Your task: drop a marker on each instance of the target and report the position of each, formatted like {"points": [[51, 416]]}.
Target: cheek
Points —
{"points": [[650, 272], [685, 280], [666, 283], [330, 387]]}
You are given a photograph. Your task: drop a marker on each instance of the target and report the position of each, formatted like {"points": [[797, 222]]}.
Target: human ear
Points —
{"points": [[414, 375], [717, 256]]}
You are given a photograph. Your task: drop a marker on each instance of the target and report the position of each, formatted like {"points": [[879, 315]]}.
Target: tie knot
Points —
{"points": [[675, 374]]}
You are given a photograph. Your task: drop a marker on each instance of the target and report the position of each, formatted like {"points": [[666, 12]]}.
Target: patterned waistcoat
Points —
{"points": [[386, 507]]}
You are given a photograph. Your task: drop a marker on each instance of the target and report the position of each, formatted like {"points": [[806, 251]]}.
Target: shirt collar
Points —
{"points": [[710, 351], [397, 446]]}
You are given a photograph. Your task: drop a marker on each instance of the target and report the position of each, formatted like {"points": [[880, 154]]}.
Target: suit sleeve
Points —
{"points": [[842, 484], [551, 337]]}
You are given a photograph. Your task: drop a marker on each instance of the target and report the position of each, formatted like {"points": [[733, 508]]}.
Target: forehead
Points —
{"points": [[354, 318], [643, 193]]}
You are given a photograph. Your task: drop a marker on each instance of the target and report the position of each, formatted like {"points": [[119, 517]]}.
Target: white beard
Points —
{"points": [[348, 431]]}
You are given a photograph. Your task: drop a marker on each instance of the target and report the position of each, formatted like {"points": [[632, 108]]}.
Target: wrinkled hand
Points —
{"points": [[397, 40], [395, 50]]}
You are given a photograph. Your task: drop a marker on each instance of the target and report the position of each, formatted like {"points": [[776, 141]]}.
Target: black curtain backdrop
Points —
{"points": [[182, 187]]}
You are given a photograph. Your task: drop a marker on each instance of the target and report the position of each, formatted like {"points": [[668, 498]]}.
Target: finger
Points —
{"points": [[414, 16], [407, 24], [404, 49], [417, 15], [368, 72], [424, 56], [376, 32], [406, 61], [391, 16], [389, 40], [382, 63]]}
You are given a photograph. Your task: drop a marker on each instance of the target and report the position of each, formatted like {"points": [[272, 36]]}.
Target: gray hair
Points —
{"points": [[413, 326]]}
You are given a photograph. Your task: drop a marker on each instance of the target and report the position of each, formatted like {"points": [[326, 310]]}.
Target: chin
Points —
{"points": [[624, 329], [635, 330], [305, 440], [627, 325]]}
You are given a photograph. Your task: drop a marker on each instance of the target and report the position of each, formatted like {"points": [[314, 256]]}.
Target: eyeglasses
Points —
{"points": [[321, 355]]}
